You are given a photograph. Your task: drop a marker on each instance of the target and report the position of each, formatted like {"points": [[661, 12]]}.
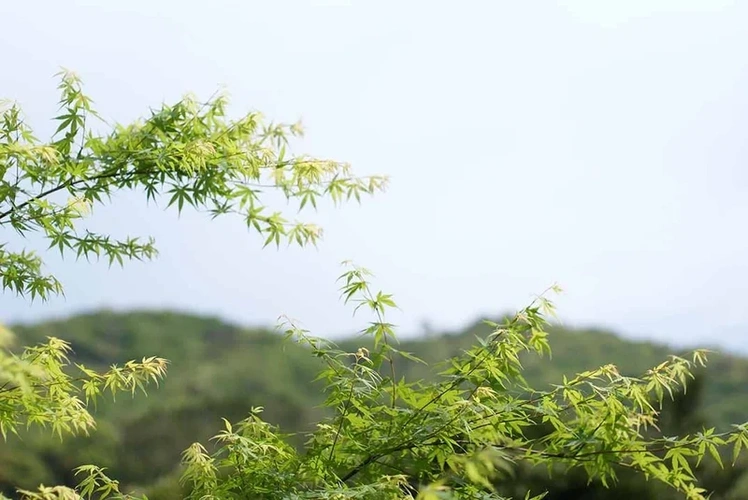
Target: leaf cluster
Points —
{"points": [[463, 436], [37, 387], [190, 153]]}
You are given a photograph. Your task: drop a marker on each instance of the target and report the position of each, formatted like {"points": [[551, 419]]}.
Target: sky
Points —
{"points": [[597, 145]]}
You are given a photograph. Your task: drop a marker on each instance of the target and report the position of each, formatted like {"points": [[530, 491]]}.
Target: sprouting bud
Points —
{"points": [[362, 353]]}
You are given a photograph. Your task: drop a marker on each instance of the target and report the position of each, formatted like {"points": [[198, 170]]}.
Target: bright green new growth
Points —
{"points": [[189, 151], [385, 438], [391, 438]]}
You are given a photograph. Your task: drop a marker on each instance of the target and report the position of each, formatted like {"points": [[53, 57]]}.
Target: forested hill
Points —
{"points": [[219, 370]]}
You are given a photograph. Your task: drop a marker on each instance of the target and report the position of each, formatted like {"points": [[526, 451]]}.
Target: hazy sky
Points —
{"points": [[600, 145]]}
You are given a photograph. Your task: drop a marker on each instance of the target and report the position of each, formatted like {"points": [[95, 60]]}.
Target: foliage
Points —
{"points": [[680, 414], [188, 151], [220, 370], [385, 437], [578, 350], [389, 438], [37, 391], [216, 370], [191, 153]]}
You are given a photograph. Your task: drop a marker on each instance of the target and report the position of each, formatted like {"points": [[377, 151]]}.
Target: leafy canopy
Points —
{"points": [[189, 152], [460, 438], [386, 437]]}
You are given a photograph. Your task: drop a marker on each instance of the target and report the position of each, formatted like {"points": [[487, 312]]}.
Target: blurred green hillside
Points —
{"points": [[220, 370]]}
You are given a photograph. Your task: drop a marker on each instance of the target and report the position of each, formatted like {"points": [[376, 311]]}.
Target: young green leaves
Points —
{"points": [[41, 387], [464, 437], [189, 153]]}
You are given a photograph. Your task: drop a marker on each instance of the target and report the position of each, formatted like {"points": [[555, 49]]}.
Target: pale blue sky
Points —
{"points": [[600, 145]]}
